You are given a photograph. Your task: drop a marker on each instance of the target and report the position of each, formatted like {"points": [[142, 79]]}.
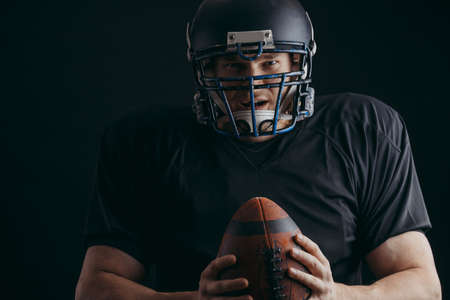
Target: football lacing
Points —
{"points": [[275, 274]]}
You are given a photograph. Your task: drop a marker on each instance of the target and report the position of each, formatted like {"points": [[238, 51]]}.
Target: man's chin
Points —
{"points": [[225, 124]]}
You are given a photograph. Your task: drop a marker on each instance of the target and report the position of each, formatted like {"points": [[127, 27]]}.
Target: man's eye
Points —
{"points": [[271, 62]]}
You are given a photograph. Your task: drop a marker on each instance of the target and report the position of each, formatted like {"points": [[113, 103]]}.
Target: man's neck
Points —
{"points": [[256, 139]]}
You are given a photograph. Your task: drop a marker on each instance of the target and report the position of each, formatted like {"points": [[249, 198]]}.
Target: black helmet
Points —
{"points": [[249, 28]]}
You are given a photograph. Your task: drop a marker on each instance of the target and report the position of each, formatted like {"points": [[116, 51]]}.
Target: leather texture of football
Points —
{"points": [[260, 233]]}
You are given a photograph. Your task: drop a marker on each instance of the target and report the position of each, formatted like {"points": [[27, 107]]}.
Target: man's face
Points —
{"points": [[268, 63]]}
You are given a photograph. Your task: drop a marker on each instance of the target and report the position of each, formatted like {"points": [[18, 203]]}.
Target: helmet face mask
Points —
{"points": [[236, 101]]}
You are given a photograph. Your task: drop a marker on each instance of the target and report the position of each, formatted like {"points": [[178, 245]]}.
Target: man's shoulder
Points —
{"points": [[353, 107], [352, 110]]}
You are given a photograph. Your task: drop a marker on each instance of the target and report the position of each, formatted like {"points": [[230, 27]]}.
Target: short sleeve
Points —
{"points": [[392, 202], [112, 210]]}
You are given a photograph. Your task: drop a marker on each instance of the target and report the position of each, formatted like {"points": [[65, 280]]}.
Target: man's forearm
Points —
{"points": [[109, 286], [409, 284]]}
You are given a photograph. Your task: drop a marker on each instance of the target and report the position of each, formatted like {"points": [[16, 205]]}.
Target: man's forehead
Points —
{"points": [[236, 57]]}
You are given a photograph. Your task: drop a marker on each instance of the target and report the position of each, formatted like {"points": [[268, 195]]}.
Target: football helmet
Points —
{"points": [[247, 29]]}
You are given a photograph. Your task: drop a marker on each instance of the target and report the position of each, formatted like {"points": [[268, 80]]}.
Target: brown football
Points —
{"points": [[260, 233]]}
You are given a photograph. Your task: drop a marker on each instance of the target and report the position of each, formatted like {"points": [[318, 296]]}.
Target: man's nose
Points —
{"points": [[253, 69]]}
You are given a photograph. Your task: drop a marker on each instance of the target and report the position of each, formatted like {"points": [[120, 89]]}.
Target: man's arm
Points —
{"points": [[405, 269], [109, 273]]}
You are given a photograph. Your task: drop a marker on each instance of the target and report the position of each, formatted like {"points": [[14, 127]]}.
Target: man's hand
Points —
{"points": [[403, 264], [211, 288], [320, 281]]}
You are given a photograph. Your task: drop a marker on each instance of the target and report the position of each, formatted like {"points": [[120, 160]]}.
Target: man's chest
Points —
{"points": [[311, 183]]}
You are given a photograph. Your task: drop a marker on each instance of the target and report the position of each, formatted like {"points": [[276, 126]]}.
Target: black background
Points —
{"points": [[70, 67]]}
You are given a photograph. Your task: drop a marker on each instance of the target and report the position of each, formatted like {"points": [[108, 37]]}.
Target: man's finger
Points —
{"points": [[224, 286], [306, 279], [218, 264], [310, 247], [309, 261]]}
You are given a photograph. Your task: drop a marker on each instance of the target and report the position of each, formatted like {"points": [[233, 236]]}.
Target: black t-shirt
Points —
{"points": [[166, 186]]}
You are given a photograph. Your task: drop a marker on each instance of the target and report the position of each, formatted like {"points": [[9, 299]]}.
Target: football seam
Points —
{"points": [[266, 229]]}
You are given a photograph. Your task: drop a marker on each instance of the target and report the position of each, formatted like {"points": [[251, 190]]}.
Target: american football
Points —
{"points": [[260, 233]]}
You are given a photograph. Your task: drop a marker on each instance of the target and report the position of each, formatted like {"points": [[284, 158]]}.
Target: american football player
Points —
{"points": [[341, 165]]}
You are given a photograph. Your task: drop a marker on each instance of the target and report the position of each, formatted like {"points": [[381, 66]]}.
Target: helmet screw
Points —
{"points": [[232, 36], [267, 34]]}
